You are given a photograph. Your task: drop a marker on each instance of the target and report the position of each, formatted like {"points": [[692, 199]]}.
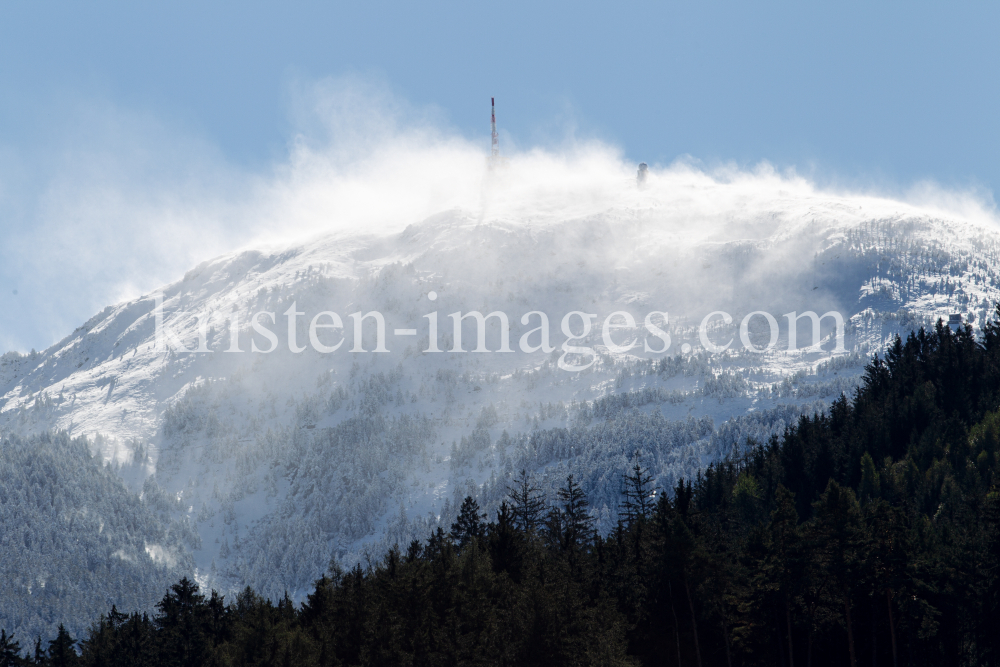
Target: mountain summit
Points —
{"points": [[281, 407]]}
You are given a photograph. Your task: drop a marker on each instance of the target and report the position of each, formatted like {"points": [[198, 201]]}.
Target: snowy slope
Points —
{"points": [[283, 460]]}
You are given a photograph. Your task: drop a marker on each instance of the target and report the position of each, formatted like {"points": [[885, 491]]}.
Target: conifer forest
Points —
{"points": [[869, 534]]}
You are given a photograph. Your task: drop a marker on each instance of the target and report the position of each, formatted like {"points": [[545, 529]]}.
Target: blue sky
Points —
{"points": [[860, 95]]}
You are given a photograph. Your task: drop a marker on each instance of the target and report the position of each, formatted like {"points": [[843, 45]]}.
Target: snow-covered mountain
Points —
{"points": [[272, 463]]}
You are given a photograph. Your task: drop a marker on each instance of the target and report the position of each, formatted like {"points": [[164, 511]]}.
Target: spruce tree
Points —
{"points": [[869, 488], [637, 490], [10, 650], [527, 503], [838, 537], [782, 570], [469, 524], [62, 651], [505, 542], [577, 524], [181, 625]]}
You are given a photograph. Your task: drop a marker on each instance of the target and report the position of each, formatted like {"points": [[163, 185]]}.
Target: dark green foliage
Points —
{"points": [[469, 525], [10, 650], [867, 535], [119, 640], [571, 527], [527, 503], [637, 493], [62, 650]]}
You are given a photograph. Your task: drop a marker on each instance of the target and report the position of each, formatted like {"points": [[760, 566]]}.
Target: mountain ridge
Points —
{"points": [[341, 454]]}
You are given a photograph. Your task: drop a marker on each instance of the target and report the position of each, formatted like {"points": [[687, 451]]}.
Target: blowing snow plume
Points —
{"points": [[137, 203], [392, 327]]}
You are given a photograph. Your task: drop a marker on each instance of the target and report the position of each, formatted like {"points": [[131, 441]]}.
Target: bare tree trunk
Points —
{"points": [[850, 629], [788, 627], [725, 635], [892, 626], [874, 635], [694, 624], [677, 629]]}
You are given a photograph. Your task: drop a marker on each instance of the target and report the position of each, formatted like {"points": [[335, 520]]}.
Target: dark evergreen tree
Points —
{"points": [[506, 543], [181, 635], [837, 541], [469, 525], [868, 533], [527, 503], [576, 524], [638, 499], [10, 650], [62, 650]]}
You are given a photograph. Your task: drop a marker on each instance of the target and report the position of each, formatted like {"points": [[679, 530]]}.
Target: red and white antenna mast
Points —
{"points": [[495, 154]]}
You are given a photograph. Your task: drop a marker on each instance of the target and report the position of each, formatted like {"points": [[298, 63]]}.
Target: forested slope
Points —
{"points": [[870, 533], [75, 539]]}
